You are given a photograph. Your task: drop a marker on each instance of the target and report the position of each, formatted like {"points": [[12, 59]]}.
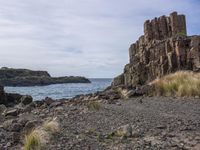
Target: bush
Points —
{"points": [[181, 83]]}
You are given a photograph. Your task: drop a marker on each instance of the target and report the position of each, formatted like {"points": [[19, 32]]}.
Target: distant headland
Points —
{"points": [[26, 77]]}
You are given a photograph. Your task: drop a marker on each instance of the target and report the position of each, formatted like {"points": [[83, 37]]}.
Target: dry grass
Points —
{"points": [[181, 83], [37, 139], [94, 105], [51, 126], [33, 141]]}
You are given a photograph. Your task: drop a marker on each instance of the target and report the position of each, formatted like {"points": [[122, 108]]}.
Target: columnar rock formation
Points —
{"points": [[164, 48]]}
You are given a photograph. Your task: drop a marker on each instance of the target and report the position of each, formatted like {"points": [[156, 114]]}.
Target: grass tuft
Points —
{"points": [[38, 138], [33, 141], [94, 105], [51, 126], [181, 83]]}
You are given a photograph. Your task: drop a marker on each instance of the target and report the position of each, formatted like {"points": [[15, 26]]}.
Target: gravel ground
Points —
{"points": [[147, 123]]}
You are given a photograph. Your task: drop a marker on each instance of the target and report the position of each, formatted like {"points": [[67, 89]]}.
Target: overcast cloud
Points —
{"points": [[80, 37]]}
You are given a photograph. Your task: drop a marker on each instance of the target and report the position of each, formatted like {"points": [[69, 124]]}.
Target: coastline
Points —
{"points": [[94, 121]]}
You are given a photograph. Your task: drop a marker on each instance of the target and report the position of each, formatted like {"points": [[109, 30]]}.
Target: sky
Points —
{"points": [[80, 37]]}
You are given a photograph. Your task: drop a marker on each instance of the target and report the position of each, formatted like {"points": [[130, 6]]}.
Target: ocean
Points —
{"points": [[59, 91]]}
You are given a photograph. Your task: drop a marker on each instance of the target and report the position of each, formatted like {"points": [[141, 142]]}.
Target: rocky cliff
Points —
{"points": [[164, 48], [25, 77]]}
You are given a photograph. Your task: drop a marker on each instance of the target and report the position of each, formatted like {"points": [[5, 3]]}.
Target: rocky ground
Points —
{"points": [[91, 123]]}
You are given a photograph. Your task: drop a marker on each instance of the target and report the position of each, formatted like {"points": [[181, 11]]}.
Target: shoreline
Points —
{"points": [[94, 121]]}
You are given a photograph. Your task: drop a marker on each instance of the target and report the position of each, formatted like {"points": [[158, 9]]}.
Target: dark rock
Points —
{"points": [[48, 101], [29, 107], [38, 103], [164, 48], [13, 99], [31, 125], [15, 127], [15, 136], [26, 99], [3, 99]]}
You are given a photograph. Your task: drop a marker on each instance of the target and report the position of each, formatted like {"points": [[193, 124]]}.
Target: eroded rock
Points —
{"points": [[164, 48]]}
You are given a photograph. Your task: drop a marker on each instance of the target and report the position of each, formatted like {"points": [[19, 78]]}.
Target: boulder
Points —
{"points": [[2, 108], [12, 112], [26, 99], [12, 125]]}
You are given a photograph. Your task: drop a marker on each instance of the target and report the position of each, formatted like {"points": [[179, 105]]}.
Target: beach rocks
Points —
{"points": [[2, 108], [12, 112], [124, 131], [164, 48], [3, 99], [25, 100]]}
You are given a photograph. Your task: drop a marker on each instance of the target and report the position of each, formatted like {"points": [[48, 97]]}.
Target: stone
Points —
{"points": [[15, 137], [2, 108], [124, 131], [164, 48], [12, 112], [26, 99], [30, 125], [12, 125], [15, 127], [48, 100], [6, 124], [13, 98]]}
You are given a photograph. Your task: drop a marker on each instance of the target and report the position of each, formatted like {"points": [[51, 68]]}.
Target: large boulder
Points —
{"points": [[164, 48], [26, 99]]}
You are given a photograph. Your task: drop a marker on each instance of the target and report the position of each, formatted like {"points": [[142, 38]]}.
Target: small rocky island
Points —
{"points": [[25, 77], [125, 116]]}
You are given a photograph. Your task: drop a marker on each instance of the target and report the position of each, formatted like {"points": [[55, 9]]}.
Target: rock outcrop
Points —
{"points": [[25, 77], [164, 48]]}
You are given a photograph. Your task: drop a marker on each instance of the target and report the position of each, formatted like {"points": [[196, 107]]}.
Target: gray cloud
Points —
{"points": [[79, 37]]}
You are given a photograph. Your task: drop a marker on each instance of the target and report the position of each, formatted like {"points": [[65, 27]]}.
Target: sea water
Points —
{"points": [[59, 91]]}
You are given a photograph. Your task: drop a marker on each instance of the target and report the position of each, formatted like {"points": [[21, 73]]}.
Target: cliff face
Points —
{"points": [[164, 48]]}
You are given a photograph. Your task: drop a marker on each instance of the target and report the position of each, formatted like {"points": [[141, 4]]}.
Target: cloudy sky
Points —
{"points": [[80, 37]]}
